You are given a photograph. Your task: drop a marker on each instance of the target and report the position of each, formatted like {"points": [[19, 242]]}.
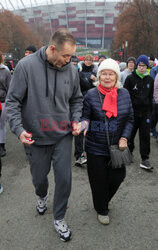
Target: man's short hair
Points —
{"points": [[60, 37], [31, 48]]}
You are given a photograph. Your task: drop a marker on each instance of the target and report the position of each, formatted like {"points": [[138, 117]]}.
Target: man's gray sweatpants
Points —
{"points": [[40, 158]]}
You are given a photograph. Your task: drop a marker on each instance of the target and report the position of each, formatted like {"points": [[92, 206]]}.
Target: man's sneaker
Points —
{"points": [[153, 133], [2, 152], [63, 230], [81, 160], [1, 189], [41, 205], [145, 164], [103, 219]]}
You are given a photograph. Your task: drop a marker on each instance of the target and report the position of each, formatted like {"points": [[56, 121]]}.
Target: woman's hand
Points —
{"points": [[79, 127], [93, 78], [122, 143]]}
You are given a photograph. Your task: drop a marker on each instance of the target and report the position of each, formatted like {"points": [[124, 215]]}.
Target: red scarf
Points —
{"points": [[110, 100]]}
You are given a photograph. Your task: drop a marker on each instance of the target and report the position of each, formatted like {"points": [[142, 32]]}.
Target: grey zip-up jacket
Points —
{"points": [[123, 76], [43, 100]]}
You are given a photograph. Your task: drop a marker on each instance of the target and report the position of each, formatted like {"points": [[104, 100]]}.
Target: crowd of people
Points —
{"points": [[83, 100]]}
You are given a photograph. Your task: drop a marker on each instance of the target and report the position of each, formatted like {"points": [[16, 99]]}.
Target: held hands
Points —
{"points": [[79, 127], [122, 143], [26, 138]]}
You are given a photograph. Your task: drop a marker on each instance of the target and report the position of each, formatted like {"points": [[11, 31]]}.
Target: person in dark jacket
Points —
{"points": [[153, 132], [154, 71], [154, 119], [101, 58], [87, 74], [1, 188], [5, 77], [140, 86], [87, 78], [43, 104], [30, 50], [117, 107]]}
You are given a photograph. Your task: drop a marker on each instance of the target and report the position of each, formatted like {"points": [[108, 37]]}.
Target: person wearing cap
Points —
{"points": [[140, 86], [75, 62], [154, 119], [101, 58], [117, 107], [154, 71], [122, 66], [30, 50], [131, 61], [151, 63], [153, 131]]}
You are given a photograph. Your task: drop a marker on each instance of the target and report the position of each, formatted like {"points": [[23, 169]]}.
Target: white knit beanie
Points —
{"points": [[109, 64]]}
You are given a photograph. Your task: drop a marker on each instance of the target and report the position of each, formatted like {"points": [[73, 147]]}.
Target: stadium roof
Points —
{"points": [[21, 4]]}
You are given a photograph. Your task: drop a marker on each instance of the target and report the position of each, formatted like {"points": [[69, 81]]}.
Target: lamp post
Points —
{"points": [[123, 49], [126, 46]]}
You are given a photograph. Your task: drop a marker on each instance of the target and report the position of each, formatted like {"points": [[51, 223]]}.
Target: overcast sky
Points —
{"points": [[11, 4]]}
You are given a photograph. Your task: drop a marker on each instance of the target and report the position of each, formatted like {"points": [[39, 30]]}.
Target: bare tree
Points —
{"points": [[16, 35], [137, 24]]}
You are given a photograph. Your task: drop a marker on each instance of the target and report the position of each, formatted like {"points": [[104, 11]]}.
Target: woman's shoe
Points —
{"points": [[103, 219]]}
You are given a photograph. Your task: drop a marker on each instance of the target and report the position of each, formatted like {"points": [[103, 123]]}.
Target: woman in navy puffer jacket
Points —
{"points": [[116, 105]]}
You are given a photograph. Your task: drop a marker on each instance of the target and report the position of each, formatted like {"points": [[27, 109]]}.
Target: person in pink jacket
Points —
{"points": [[155, 106]]}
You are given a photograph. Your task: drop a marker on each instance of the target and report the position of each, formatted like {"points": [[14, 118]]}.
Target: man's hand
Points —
{"points": [[79, 127], [25, 138]]}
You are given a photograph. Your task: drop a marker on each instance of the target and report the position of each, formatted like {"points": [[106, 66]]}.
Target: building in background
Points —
{"points": [[92, 23]]}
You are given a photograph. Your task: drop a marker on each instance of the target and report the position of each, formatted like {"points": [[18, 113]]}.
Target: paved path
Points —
{"points": [[133, 211]]}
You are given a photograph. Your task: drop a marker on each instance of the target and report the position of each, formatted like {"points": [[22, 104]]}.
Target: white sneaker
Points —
{"points": [[146, 165], [1, 189], [103, 219], [63, 230], [41, 205], [81, 160]]}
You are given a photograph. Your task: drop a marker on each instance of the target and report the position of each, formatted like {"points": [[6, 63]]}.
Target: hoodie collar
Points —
{"points": [[42, 54], [2, 66]]}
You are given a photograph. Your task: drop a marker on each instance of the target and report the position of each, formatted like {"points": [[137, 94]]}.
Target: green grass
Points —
{"points": [[84, 51]]}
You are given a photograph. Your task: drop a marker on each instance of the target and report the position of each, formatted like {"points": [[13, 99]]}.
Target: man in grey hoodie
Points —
{"points": [[44, 104], [131, 63]]}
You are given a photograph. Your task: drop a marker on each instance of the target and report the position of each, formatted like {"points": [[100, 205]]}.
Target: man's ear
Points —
{"points": [[52, 48]]}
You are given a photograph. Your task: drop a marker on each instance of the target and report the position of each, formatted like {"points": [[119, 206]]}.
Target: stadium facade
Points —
{"points": [[91, 22]]}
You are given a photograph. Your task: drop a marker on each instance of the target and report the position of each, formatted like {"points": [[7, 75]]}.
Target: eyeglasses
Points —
{"points": [[142, 65]]}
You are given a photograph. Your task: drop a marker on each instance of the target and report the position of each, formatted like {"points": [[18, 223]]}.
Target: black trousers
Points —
{"points": [[154, 117], [104, 181], [142, 123], [79, 148], [0, 166]]}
